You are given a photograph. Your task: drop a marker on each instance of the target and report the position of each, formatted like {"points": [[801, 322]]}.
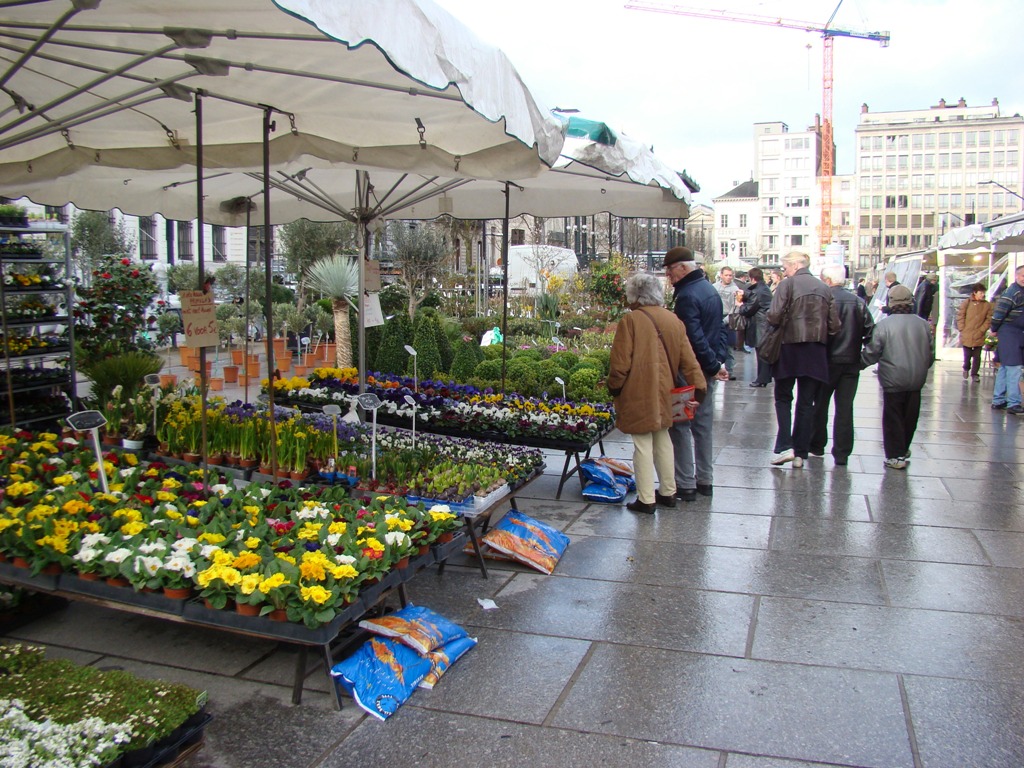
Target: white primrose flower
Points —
{"points": [[118, 555], [147, 565]]}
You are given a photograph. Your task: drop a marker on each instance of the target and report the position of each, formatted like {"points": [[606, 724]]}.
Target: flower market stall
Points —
{"points": [[296, 563]]}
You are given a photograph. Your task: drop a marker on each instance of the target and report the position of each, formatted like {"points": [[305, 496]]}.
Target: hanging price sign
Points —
{"points": [[199, 316]]}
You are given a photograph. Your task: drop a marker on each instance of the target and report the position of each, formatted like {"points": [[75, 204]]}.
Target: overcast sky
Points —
{"points": [[693, 88]]}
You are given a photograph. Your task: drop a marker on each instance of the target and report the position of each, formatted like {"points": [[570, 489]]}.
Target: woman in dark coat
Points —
{"points": [[756, 301]]}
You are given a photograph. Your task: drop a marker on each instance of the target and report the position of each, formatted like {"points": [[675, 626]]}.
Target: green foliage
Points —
{"points": [[306, 242], [607, 286], [421, 253], [477, 326], [94, 239], [467, 357], [600, 356], [428, 357], [525, 326], [584, 379], [547, 307], [231, 279], [444, 344], [391, 357], [113, 314], [168, 324], [336, 277], [127, 370], [565, 359], [393, 298], [183, 276], [529, 354], [489, 370], [491, 352]]}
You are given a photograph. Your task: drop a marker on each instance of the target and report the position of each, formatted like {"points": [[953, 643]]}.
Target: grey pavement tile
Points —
{"points": [[664, 617], [756, 761], [724, 569], [1004, 548], [946, 587], [688, 523], [876, 540], [428, 739], [947, 514], [916, 641], [1007, 491], [529, 673], [976, 467], [777, 710], [965, 723], [130, 636]]}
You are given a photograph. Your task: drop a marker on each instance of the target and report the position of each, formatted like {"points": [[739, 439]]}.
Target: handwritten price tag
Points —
{"points": [[199, 316]]}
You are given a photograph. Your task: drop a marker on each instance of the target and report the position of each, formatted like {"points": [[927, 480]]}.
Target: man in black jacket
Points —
{"points": [[843, 369]]}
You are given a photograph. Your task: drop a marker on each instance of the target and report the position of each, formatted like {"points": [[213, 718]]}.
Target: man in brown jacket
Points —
{"points": [[973, 320], [650, 346]]}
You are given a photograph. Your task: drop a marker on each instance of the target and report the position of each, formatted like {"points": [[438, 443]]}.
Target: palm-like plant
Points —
{"points": [[337, 278]]}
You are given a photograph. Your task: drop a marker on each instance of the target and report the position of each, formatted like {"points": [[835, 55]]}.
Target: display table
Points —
{"points": [[329, 638]]}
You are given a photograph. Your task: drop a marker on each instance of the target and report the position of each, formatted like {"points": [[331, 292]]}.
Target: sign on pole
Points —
{"points": [[199, 317]]}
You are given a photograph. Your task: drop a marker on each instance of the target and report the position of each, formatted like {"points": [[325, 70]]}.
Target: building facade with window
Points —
{"points": [[786, 167], [736, 217], [922, 171]]}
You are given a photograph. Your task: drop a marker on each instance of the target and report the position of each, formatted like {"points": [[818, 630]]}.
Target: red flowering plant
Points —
{"points": [[114, 314], [607, 286]]}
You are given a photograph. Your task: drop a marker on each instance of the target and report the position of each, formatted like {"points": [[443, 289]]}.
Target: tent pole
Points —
{"points": [[204, 381], [268, 239], [363, 225], [248, 291], [504, 289]]}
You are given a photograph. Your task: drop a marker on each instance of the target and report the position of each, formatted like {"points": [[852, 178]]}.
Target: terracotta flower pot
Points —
{"points": [[278, 615], [168, 380], [89, 576], [244, 609], [191, 458], [297, 475], [117, 581], [238, 356], [247, 463], [299, 370], [280, 346], [217, 384], [230, 374], [178, 593]]}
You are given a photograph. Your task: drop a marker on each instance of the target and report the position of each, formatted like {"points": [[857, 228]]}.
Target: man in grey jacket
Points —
{"points": [[901, 344]]}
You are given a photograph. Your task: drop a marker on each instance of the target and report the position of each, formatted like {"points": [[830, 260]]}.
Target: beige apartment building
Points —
{"points": [[920, 172]]}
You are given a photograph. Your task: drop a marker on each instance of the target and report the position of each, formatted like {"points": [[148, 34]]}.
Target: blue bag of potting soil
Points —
{"points": [[612, 494], [527, 541], [442, 658], [597, 473], [381, 675], [416, 626]]}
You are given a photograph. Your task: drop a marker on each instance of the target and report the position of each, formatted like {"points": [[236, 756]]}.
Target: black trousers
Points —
{"points": [[900, 411], [842, 389], [972, 359], [795, 430]]}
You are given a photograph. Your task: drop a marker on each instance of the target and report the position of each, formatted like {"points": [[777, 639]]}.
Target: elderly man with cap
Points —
{"points": [[901, 344], [699, 306]]}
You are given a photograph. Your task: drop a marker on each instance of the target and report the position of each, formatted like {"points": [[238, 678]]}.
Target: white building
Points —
{"points": [[737, 213]]}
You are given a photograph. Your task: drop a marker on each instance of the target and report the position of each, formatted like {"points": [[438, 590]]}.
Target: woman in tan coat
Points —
{"points": [[650, 346], [973, 321]]}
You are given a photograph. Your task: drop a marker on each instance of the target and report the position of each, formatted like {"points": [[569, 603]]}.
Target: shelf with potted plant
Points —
{"points": [[36, 290]]}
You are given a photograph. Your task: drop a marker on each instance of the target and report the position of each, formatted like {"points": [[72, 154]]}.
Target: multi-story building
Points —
{"points": [[922, 171], [786, 167]]}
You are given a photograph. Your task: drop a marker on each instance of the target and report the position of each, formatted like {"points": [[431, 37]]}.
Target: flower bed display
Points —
{"points": [[301, 553], [53, 712], [457, 408]]}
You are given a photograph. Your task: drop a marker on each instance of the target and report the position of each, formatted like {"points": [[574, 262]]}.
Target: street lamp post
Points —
{"points": [[415, 369], [1015, 194]]}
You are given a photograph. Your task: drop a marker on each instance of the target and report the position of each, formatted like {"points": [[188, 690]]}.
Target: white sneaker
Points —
{"points": [[898, 463], [782, 457], [798, 463]]}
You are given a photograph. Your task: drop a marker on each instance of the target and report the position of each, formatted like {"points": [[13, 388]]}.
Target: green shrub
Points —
{"points": [[528, 354], [492, 352], [582, 380], [489, 370], [467, 357], [525, 326], [522, 379], [565, 359], [127, 370], [428, 357], [391, 357], [476, 327]]}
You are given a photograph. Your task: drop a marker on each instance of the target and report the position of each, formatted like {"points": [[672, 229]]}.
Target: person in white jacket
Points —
{"points": [[902, 346]]}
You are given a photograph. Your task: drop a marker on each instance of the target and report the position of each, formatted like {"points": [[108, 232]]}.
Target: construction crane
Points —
{"points": [[828, 32]]}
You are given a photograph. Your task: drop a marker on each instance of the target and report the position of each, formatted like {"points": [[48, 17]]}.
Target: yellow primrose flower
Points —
{"points": [[77, 506], [220, 557], [346, 571], [309, 532], [173, 514], [251, 509], [252, 542], [286, 557], [199, 503], [133, 528], [246, 560], [273, 582], [209, 537], [373, 544], [313, 571], [192, 521], [250, 583], [315, 594], [130, 459], [338, 526], [63, 480], [170, 482]]}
